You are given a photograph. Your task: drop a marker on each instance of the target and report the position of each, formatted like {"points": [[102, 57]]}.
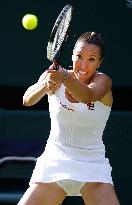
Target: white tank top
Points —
{"points": [[77, 125]]}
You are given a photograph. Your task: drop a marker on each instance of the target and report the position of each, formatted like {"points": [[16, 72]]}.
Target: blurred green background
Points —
{"points": [[23, 53], [23, 59]]}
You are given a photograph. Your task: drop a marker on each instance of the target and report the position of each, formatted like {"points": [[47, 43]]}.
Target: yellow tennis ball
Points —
{"points": [[30, 21]]}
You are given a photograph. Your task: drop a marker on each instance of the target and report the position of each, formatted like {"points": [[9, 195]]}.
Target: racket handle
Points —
{"points": [[55, 64], [56, 60]]}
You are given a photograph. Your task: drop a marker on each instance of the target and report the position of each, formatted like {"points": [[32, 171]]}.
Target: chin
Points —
{"points": [[82, 79]]}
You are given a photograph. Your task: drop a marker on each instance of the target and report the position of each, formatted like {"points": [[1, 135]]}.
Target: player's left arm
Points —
{"points": [[92, 92], [100, 87]]}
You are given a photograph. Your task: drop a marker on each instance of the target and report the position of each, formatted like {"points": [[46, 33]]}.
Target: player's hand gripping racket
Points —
{"points": [[59, 35]]}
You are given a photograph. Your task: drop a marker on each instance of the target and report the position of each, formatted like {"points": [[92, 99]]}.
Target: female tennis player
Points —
{"points": [[80, 102]]}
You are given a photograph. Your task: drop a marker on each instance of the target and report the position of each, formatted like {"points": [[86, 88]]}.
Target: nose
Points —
{"points": [[84, 65]]}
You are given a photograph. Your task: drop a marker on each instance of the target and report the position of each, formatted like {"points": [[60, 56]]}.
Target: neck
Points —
{"points": [[88, 81]]}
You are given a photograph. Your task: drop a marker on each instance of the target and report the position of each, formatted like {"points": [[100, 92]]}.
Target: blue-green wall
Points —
{"points": [[23, 53]]}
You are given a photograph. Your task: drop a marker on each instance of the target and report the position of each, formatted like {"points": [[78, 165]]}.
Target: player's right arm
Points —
{"points": [[35, 92]]}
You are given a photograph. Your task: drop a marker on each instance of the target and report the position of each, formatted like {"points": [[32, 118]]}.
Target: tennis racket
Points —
{"points": [[59, 35]]}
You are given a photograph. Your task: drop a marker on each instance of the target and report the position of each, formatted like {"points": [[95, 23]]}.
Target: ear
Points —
{"points": [[100, 62], [98, 66]]}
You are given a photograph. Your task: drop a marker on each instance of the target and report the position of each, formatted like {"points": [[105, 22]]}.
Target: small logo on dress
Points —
{"points": [[90, 106], [129, 3], [66, 107]]}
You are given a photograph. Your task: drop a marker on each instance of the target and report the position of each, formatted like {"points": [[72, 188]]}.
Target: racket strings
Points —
{"points": [[61, 32], [60, 35]]}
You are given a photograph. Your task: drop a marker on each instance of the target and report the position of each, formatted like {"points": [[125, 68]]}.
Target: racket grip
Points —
{"points": [[55, 64], [56, 60]]}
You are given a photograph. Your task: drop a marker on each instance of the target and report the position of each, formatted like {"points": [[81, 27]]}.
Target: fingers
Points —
{"points": [[53, 66], [52, 88], [51, 85], [56, 76], [52, 69]]}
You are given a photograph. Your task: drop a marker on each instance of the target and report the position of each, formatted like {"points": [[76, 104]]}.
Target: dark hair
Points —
{"points": [[92, 38]]}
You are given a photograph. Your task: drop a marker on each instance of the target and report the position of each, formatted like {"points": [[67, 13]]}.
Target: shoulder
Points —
{"points": [[106, 83], [103, 79], [102, 75]]}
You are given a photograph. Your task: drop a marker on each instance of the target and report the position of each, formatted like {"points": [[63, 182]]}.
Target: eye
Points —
{"points": [[92, 59], [78, 56]]}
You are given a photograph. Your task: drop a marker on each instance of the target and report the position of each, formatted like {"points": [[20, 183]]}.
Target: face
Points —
{"points": [[86, 59]]}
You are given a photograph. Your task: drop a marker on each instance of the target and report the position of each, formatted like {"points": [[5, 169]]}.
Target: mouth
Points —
{"points": [[82, 73]]}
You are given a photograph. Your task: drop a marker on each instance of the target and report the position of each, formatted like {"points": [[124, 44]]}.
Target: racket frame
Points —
{"points": [[56, 56]]}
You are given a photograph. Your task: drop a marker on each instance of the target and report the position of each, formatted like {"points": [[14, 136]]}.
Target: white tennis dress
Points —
{"points": [[74, 149]]}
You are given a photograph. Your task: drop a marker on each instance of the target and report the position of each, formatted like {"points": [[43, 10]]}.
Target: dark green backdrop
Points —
{"points": [[23, 53]]}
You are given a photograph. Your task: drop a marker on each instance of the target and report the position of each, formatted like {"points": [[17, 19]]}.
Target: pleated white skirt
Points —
{"points": [[60, 162]]}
